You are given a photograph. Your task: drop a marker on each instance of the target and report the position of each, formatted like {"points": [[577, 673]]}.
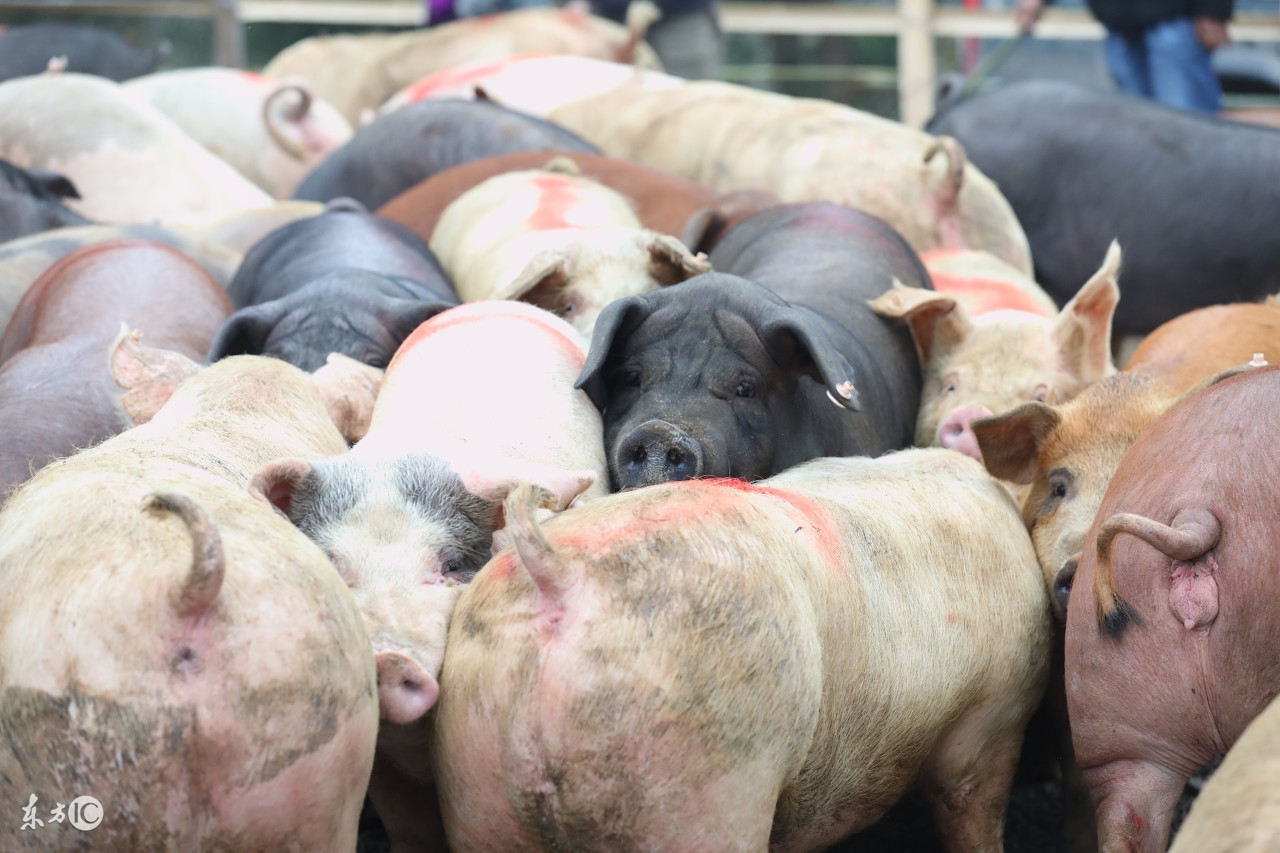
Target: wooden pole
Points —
{"points": [[916, 66], [228, 35]]}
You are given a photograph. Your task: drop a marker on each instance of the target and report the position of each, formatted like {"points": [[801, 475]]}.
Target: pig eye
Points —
{"points": [[746, 388], [1041, 394], [452, 567], [567, 309], [631, 378]]}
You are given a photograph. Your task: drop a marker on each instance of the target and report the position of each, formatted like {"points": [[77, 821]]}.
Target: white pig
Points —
{"points": [[559, 241], [721, 666], [173, 648]]}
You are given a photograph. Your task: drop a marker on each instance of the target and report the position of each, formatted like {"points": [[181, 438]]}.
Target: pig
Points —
{"points": [[665, 203], [1082, 168], [394, 152], [357, 73], [801, 149], [24, 260], [557, 240], [272, 131], [344, 281], [27, 49], [409, 513], [31, 201], [981, 363], [1169, 648], [130, 163], [602, 679], [745, 375], [178, 651], [54, 353], [1239, 811]]}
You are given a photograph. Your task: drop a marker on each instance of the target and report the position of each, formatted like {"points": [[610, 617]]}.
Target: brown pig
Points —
{"points": [[721, 666], [54, 353], [982, 362], [1171, 642], [174, 649]]}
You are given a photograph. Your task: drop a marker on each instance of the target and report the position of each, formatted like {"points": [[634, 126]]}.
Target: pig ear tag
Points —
{"points": [[844, 389]]}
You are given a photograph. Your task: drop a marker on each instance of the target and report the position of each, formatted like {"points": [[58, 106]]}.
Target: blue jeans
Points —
{"points": [[1166, 63]]}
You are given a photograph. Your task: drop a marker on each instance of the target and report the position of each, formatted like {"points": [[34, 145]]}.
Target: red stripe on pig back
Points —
{"points": [[466, 314], [988, 294], [255, 77], [451, 78], [822, 528], [556, 197]]}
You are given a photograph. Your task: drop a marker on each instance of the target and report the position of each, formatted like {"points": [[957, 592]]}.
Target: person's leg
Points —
{"points": [[1127, 61], [689, 44], [1181, 69]]}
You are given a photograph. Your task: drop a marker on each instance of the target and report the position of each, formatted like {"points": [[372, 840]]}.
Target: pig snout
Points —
{"points": [[657, 452], [406, 691], [1062, 586], [956, 432]]}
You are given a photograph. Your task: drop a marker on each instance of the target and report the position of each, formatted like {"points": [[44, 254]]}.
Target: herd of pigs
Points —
{"points": [[563, 456]]}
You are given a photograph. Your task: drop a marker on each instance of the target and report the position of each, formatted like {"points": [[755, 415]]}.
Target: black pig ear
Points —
{"points": [[55, 183], [615, 323], [402, 316], [245, 332], [797, 340]]}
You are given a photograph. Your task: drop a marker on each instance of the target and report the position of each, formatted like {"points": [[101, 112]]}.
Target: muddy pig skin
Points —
{"points": [[175, 649], [721, 666], [1171, 643]]}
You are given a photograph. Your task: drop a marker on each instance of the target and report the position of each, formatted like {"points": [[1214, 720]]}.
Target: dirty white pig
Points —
{"points": [[173, 648], [478, 398], [130, 163], [981, 363], [272, 131], [557, 240], [721, 666]]}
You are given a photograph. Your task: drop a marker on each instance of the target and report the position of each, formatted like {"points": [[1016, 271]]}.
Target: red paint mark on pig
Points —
{"points": [[812, 513], [463, 315], [556, 197], [952, 619], [989, 294], [255, 77], [468, 75]]}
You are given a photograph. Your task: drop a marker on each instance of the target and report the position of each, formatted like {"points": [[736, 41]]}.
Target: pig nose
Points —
{"points": [[657, 452], [405, 690], [1062, 586], [956, 433]]}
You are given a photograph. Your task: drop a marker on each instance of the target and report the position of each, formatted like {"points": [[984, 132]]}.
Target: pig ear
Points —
{"points": [[1083, 328], [406, 691], [1011, 442], [277, 482], [541, 279], [707, 225], [616, 322], [52, 182], [936, 321], [797, 340], [402, 316], [148, 375], [671, 262], [703, 228], [565, 486], [246, 331], [349, 390]]}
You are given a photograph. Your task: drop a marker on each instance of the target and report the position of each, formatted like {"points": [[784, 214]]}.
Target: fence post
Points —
{"points": [[916, 67], [228, 35]]}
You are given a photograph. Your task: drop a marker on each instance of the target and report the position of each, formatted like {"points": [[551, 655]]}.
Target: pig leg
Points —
{"points": [[969, 776], [1135, 803]]}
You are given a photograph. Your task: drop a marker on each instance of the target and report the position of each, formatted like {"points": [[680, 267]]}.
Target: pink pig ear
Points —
{"points": [[276, 482], [495, 485], [148, 375], [406, 691], [349, 390]]}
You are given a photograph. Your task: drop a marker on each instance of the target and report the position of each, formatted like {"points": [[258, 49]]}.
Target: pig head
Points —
{"points": [[719, 377], [31, 201]]}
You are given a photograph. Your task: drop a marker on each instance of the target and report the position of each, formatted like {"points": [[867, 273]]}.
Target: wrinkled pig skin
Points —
{"points": [[666, 203], [555, 239], [1239, 809], [343, 281], [977, 364], [1170, 644], [717, 666], [1082, 167], [738, 375], [731, 137], [396, 151], [271, 131], [130, 163], [358, 72], [54, 353], [31, 202], [410, 511], [225, 702], [26, 50]]}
